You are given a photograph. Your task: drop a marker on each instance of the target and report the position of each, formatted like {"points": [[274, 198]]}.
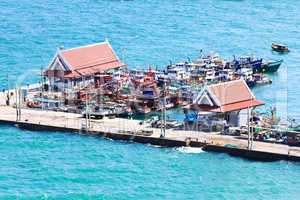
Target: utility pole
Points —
{"points": [[86, 112], [42, 90], [18, 102], [251, 129], [248, 123], [163, 113]]}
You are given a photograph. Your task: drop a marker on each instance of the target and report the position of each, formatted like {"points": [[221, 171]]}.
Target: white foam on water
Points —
{"points": [[190, 150], [152, 145]]}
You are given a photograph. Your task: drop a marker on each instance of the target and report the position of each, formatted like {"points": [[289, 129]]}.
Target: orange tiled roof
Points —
{"points": [[90, 59], [231, 92], [231, 96], [231, 107]]}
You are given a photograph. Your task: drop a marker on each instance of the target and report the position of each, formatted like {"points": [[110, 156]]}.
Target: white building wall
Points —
{"points": [[243, 117], [233, 119], [238, 118]]}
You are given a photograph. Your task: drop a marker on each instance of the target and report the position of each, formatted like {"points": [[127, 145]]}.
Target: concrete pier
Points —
{"points": [[131, 130]]}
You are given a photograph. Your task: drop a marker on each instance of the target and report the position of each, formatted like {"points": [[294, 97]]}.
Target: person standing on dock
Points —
{"points": [[7, 99], [225, 127]]}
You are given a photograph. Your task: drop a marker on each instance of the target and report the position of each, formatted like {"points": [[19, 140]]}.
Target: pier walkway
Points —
{"points": [[120, 126]]}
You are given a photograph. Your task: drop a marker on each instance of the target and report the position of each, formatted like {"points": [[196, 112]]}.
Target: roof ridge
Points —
{"points": [[226, 82], [85, 46]]}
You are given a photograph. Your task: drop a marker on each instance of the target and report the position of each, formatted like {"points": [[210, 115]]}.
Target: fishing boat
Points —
{"points": [[261, 79], [245, 73], [210, 75], [177, 73], [167, 104], [270, 66], [34, 104], [143, 110], [98, 114], [225, 75], [209, 58], [125, 113], [250, 82], [186, 94], [280, 48], [246, 62]]}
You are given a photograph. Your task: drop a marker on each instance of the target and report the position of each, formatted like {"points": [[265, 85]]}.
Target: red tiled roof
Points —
{"points": [[231, 96], [241, 105], [231, 92], [90, 59], [232, 107]]}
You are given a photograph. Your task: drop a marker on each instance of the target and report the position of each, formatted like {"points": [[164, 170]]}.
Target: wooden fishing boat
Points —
{"points": [[280, 48], [34, 104]]}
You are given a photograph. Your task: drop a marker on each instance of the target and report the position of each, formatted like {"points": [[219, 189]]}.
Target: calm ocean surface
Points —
{"points": [[42, 165]]}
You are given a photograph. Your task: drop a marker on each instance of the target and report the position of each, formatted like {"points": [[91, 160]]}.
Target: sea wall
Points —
{"points": [[164, 142]]}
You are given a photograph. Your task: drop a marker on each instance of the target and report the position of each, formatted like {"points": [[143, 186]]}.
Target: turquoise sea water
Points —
{"points": [[64, 166], [52, 165]]}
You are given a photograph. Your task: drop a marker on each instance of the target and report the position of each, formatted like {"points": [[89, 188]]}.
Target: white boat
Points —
{"points": [[210, 75], [178, 73]]}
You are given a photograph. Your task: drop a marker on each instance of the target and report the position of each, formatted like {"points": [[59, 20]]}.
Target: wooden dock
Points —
{"points": [[127, 129]]}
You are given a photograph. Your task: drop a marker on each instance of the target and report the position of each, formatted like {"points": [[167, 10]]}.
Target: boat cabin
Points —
{"points": [[177, 73], [246, 73], [210, 75]]}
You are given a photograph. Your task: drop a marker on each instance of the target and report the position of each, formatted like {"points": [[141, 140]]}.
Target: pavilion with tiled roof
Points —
{"points": [[228, 98], [83, 61]]}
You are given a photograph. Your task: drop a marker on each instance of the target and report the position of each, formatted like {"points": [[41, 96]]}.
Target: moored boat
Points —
{"points": [[143, 110], [261, 79], [270, 66], [251, 83], [280, 48]]}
